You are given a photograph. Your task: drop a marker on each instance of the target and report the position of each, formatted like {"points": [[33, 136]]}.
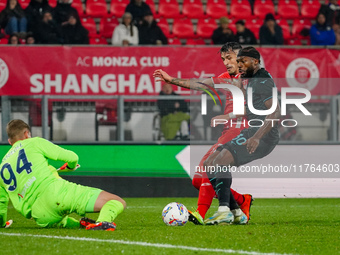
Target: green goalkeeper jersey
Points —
{"points": [[24, 173]]}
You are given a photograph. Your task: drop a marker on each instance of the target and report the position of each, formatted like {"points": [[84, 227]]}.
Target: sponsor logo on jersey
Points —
{"points": [[28, 184]]}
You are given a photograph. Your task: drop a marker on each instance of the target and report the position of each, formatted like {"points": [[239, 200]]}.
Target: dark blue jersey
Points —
{"points": [[262, 84]]}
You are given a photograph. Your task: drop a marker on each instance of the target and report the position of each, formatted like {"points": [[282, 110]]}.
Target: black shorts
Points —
{"points": [[240, 152]]}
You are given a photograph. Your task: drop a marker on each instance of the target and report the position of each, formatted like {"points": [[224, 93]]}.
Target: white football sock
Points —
{"points": [[237, 212], [223, 209]]}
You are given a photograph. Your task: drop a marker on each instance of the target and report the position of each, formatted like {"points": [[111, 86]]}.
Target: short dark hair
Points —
{"points": [[230, 46], [240, 22], [15, 128], [250, 52]]}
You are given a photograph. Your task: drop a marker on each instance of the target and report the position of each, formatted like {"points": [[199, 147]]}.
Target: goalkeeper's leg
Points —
{"points": [[109, 207]]}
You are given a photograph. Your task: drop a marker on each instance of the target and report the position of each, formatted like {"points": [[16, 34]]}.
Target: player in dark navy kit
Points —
{"points": [[252, 143], [228, 54]]}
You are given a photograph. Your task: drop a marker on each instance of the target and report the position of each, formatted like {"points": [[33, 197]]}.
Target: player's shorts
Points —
{"points": [[240, 152], [201, 177], [59, 199]]}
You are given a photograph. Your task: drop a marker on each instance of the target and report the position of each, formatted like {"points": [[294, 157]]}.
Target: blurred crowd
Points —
{"points": [[39, 23], [325, 30]]}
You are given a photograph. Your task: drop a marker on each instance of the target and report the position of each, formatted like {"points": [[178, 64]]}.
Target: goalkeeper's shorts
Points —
{"points": [[60, 199]]}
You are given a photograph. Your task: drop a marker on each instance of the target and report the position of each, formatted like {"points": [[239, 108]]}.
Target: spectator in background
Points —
{"points": [[126, 33], [174, 116], [270, 32], [150, 33], [13, 19], [138, 9], [13, 39], [321, 33], [74, 32], [34, 12], [244, 35], [48, 32], [337, 33], [223, 33], [331, 12], [30, 39], [63, 11]]}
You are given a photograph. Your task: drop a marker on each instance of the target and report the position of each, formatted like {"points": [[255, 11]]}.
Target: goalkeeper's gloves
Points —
{"points": [[67, 168], [8, 223]]}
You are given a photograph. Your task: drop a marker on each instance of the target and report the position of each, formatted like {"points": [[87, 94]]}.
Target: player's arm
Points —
{"points": [[269, 123], [3, 207], [184, 83], [55, 152]]}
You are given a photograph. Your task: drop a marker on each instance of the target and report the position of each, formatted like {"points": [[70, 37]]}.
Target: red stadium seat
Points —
{"points": [[310, 8], [216, 9], [183, 28], [288, 9], [205, 28], [78, 5], [90, 25], [190, 42], [96, 8], [107, 25], [98, 41], [23, 3], [2, 4], [3, 41], [174, 41], [298, 25], [293, 41], [263, 7], [195, 42], [285, 28], [193, 9], [254, 25], [240, 9], [117, 7], [152, 6], [168, 9], [164, 25], [52, 3]]}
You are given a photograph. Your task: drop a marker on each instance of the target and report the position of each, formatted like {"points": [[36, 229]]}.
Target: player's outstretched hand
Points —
{"points": [[8, 223], [161, 75], [220, 119], [252, 144], [66, 167]]}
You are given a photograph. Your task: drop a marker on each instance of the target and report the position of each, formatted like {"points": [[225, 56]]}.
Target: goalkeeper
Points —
{"points": [[36, 192]]}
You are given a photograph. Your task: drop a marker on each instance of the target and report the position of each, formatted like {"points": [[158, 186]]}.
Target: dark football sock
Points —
{"points": [[222, 188]]}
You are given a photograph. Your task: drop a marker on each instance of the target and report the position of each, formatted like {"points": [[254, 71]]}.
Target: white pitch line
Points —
{"points": [[156, 245]]}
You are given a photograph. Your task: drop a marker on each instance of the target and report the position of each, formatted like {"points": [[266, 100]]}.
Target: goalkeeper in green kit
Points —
{"points": [[36, 192]]}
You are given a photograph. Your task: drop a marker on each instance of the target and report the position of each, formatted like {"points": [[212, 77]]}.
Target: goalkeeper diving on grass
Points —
{"points": [[37, 192]]}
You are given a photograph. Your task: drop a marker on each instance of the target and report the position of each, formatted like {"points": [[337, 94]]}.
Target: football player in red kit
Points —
{"points": [[200, 180]]}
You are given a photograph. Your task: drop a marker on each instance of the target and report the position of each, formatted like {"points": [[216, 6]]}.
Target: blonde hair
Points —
{"points": [[16, 128]]}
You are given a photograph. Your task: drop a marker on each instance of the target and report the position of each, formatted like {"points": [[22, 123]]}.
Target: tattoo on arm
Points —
{"points": [[181, 82], [188, 84]]}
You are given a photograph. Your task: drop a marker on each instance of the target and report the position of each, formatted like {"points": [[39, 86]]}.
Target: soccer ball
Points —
{"points": [[175, 214]]}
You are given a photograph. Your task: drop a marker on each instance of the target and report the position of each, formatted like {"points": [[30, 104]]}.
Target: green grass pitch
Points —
{"points": [[277, 226]]}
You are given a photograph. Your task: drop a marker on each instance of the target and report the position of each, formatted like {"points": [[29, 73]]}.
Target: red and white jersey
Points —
{"points": [[229, 105]]}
